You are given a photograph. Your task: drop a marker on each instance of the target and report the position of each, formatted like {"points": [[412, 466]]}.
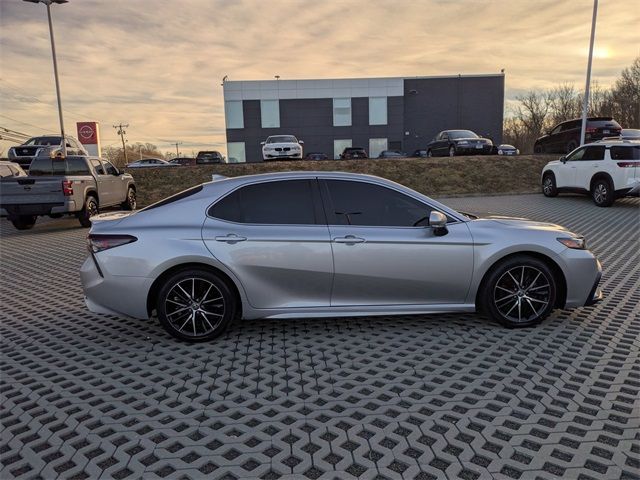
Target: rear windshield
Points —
{"points": [[175, 198], [45, 166], [603, 122]]}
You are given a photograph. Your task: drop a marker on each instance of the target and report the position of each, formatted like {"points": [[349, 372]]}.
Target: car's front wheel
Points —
{"points": [[195, 305], [130, 203], [549, 188], [520, 292], [452, 151]]}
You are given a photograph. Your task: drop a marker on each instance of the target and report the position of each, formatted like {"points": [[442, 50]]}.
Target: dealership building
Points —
{"points": [[374, 113]]}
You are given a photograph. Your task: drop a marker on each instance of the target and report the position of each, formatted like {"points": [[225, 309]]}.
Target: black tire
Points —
{"points": [[549, 188], [452, 151], [429, 153], [571, 146], [89, 210], [538, 149], [131, 202], [506, 297], [24, 222], [602, 192], [208, 324]]}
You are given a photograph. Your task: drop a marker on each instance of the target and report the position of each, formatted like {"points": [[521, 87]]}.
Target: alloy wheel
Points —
{"points": [[600, 193], [522, 293], [132, 199], [547, 186], [194, 307]]}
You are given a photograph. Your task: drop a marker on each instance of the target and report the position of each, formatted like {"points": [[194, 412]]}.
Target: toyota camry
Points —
{"points": [[321, 244]]}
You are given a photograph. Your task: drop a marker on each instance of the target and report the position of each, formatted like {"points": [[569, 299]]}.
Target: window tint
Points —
{"points": [[359, 203], [76, 166], [98, 166], [576, 155], [43, 166], [594, 153], [625, 153], [111, 170], [175, 198], [287, 202], [556, 130]]}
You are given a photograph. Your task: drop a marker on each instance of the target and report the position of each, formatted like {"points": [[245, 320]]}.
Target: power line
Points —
{"points": [[21, 122], [120, 130], [14, 132]]}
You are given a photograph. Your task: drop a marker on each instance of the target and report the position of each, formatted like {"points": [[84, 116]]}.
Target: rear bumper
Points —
{"points": [[68, 206]]}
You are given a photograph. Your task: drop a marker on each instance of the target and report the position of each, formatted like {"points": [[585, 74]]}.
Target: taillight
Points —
{"points": [[628, 164], [591, 130], [67, 188], [98, 243]]}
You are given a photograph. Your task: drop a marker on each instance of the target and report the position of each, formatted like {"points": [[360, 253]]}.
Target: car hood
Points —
{"points": [[279, 145], [522, 223]]}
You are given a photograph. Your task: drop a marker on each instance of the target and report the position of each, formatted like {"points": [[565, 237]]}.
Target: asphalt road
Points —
{"points": [[442, 396]]}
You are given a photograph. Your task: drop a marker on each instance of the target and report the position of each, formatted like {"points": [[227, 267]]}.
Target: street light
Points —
{"points": [[55, 66], [585, 105]]}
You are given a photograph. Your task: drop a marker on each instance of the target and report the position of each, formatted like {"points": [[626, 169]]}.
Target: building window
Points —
{"points": [[233, 113], [376, 146], [339, 146], [377, 110], [236, 152], [270, 113], [341, 112]]}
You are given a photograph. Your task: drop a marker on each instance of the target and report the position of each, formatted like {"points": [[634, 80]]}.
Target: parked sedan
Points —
{"points": [[350, 153], [506, 149], [458, 142], [316, 156], [150, 162], [326, 244], [392, 154], [281, 147]]}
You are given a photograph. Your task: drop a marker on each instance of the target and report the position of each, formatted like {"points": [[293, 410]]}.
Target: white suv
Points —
{"points": [[606, 170], [281, 147]]}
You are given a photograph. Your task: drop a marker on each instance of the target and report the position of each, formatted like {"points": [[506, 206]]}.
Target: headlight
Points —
{"points": [[578, 243], [463, 142]]}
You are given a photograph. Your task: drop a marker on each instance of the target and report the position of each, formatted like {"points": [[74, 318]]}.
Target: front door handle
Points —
{"points": [[230, 238], [349, 239]]}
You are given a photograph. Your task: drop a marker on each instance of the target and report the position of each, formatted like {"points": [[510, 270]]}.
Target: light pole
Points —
{"points": [[585, 105], [55, 67]]}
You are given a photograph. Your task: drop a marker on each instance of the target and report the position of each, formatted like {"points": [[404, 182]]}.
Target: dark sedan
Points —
{"points": [[316, 156], [350, 153], [392, 154], [458, 142]]}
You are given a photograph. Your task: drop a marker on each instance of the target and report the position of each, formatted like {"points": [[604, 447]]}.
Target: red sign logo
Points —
{"points": [[87, 133]]}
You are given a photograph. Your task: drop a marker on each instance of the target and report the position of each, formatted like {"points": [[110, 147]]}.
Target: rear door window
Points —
{"points": [[76, 166], [98, 166], [286, 202], [593, 153]]}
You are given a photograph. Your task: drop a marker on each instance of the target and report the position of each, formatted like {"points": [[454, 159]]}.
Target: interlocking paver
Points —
{"points": [[88, 396]]}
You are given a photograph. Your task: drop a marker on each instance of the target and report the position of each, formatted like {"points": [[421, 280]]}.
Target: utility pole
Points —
{"points": [[120, 131], [177, 152], [585, 106]]}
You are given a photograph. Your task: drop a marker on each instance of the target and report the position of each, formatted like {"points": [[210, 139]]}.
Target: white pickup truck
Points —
{"points": [[75, 185]]}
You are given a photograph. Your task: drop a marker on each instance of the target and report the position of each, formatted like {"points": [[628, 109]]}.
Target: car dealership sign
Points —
{"points": [[89, 136]]}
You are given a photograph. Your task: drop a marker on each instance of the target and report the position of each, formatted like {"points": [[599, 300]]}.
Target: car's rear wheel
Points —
{"points": [[538, 149], [195, 305], [130, 203], [602, 193], [549, 188], [571, 146], [89, 210], [24, 222], [452, 151], [520, 292]]}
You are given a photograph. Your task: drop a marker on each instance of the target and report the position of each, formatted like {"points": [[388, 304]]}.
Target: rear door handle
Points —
{"points": [[230, 238], [349, 239]]}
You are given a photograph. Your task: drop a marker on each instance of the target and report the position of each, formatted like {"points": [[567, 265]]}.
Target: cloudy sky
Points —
{"points": [[158, 64]]}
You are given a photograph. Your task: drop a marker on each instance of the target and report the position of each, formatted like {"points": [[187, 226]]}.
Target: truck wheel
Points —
{"points": [[90, 209], [130, 203], [24, 222]]}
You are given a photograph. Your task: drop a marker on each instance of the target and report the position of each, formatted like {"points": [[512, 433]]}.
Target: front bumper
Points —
{"points": [[472, 150], [596, 294], [582, 272], [24, 162], [283, 156]]}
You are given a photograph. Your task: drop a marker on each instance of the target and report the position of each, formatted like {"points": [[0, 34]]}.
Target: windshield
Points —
{"points": [[48, 141], [282, 139], [462, 134]]}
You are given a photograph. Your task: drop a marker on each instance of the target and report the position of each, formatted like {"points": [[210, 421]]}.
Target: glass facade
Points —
{"points": [[270, 113], [233, 113], [236, 152], [377, 110], [377, 145], [339, 146], [341, 112]]}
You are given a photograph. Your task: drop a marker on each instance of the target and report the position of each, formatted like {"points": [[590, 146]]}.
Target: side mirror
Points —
{"points": [[563, 159], [262, 143], [438, 222], [301, 142]]}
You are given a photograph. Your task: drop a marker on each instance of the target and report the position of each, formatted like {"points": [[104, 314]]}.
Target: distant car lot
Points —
{"points": [[88, 395]]}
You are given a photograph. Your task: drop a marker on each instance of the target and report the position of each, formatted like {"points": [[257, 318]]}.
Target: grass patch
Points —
{"points": [[436, 177]]}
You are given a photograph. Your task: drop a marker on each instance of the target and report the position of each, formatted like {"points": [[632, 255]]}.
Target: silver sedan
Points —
{"points": [[319, 244]]}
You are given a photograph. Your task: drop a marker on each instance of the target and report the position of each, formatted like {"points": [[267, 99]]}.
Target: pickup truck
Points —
{"points": [[75, 185], [43, 146]]}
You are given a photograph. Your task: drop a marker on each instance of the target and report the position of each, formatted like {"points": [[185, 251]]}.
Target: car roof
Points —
{"points": [[616, 142]]}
